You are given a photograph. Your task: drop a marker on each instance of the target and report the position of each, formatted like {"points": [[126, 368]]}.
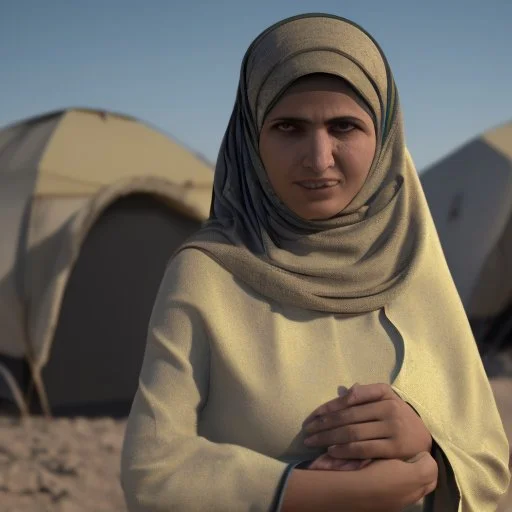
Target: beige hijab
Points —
{"points": [[366, 255], [382, 251]]}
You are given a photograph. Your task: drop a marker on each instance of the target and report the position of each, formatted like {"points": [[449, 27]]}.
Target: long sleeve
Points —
{"points": [[471, 448], [166, 465], [443, 378]]}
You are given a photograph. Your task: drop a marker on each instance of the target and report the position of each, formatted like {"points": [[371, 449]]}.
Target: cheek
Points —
{"points": [[279, 160], [358, 159]]}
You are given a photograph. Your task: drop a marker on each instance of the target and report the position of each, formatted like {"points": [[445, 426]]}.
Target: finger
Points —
{"points": [[325, 463], [350, 465], [366, 393], [346, 465], [338, 403], [358, 394], [349, 434], [319, 465], [342, 390], [376, 411], [364, 462], [371, 449], [416, 458], [426, 468]]}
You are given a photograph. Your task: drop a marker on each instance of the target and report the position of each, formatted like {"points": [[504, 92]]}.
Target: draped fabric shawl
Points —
{"points": [[382, 251], [363, 257]]}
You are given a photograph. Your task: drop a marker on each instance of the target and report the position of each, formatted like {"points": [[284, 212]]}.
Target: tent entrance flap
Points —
{"points": [[97, 350]]}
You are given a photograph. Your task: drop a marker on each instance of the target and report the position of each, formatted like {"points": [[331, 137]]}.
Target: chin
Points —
{"points": [[320, 214], [323, 212]]}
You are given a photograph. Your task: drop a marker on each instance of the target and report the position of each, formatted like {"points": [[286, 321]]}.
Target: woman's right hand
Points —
{"points": [[390, 485]]}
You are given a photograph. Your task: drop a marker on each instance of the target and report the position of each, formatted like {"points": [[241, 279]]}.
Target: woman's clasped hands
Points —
{"points": [[365, 423], [369, 428]]}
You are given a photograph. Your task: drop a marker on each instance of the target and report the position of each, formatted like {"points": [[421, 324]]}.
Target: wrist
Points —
{"points": [[312, 490]]}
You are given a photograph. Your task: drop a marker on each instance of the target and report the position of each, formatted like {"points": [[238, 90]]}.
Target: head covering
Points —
{"points": [[382, 251], [364, 256]]}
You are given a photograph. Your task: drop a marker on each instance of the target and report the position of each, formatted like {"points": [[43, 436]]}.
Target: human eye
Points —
{"points": [[342, 126], [285, 126]]}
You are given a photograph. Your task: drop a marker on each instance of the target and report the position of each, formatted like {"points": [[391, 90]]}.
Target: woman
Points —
{"points": [[319, 269]]}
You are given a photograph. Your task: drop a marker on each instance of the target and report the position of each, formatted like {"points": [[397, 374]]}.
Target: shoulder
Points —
{"points": [[192, 262], [193, 274]]}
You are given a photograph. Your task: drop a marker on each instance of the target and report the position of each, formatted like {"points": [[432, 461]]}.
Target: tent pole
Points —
{"points": [[15, 390], [37, 379], [41, 392]]}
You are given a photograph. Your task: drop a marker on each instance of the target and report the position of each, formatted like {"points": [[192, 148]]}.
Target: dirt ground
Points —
{"points": [[65, 465], [72, 465]]}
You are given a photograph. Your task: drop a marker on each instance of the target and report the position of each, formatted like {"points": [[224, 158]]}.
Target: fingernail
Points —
{"points": [[365, 463], [352, 389], [310, 418], [349, 465], [342, 391], [312, 425]]}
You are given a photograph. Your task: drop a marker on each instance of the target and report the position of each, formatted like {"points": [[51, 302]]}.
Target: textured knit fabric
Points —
{"points": [[227, 381]]}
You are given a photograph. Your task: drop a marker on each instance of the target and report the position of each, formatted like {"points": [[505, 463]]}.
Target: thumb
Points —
{"points": [[425, 469], [418, 457]]}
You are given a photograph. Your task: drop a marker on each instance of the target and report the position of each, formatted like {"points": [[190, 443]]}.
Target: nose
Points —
{"points": [[319, 152]]}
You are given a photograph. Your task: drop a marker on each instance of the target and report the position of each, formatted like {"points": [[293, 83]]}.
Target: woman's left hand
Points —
{"points": [[368, 422], [325, 462]]}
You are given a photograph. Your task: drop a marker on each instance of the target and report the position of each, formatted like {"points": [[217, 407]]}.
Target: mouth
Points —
{"points": [[318, 184]]}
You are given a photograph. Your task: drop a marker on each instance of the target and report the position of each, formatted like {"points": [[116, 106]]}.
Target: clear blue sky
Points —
{"points": [[175, 64]]}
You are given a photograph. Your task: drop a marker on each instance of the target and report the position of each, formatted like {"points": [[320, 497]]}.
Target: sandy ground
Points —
{"points": [[72, 465], [60, 466]]}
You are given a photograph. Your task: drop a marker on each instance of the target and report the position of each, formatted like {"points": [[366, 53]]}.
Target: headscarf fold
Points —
{"points": [[364, 256]]}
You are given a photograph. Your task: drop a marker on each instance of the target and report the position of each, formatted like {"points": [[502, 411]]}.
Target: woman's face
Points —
{"points": [[317, 146]]}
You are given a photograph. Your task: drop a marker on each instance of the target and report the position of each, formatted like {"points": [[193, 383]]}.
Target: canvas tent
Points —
{"points": [[92, 204], [470, 195]]}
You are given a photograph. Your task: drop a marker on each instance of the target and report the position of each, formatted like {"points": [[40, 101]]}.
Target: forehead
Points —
{"points": [[318, 84], [312, 44]]}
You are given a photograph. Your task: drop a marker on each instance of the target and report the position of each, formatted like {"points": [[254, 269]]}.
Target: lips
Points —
{"points": [[318, 184]]}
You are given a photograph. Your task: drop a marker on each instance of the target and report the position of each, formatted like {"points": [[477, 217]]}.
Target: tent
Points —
{"points": [[470, 196], [92, 205]]}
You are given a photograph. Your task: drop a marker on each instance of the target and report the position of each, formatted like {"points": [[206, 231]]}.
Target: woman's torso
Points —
{"points": [[271, 365]]}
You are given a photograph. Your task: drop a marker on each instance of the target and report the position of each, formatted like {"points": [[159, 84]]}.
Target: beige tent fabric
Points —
{"points": [[58, 173], [493, 290], [122, 147], [500, 138], [21, 147], [470, 196], [52, 272]]}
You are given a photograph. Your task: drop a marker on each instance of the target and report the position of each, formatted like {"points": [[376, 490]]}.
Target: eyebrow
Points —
{"points": [[304, 120]]}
